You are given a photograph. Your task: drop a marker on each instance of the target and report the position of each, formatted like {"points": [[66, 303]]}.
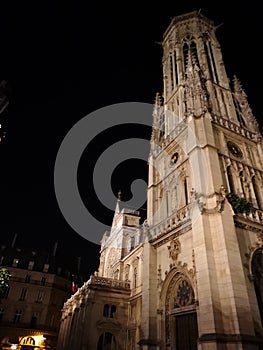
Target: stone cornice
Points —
{"points": [[167, 236], [247, 224]]}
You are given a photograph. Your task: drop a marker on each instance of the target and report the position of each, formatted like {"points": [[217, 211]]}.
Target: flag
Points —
{"points": [[73, 287]]}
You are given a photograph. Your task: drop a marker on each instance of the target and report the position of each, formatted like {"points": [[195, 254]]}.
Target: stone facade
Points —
{"points": [[191, 276]]}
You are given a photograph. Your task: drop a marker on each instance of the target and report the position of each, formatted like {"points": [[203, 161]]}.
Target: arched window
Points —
{"points": [[257, 271], [185, 53], [106, 342], [185, 190], [190, 47], [245, 186], [230, 180], [171, 73], [135, 277], [174, 203], [167, 204], [211, 61], [116, 274], [162, 125], [132, 241], [257, 193], [175, 69], [194, 52]]}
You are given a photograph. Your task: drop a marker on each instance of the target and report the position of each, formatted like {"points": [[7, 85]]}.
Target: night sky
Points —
{"points": [[65, 60]]}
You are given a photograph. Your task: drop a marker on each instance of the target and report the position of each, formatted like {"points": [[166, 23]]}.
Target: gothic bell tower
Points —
{"points": [[205, 200], [190, 277]]}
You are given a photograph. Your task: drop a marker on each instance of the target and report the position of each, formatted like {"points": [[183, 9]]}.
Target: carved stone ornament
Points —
{"points": [[174, 249], [259, 241], [202, 201]]}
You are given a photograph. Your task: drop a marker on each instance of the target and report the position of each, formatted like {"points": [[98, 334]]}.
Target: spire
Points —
{"points": [[243, 109], [195, 94], [157, 119], [117, 209]]}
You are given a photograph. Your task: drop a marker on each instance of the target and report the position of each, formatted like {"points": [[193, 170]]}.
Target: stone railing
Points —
{"points": [[179, 217], [255, 215], [168, 138], [108, 283], [234, 127]]}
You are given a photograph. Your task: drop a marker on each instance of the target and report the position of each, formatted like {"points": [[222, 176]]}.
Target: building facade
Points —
{"points": [[30, 308], [190, 277]]}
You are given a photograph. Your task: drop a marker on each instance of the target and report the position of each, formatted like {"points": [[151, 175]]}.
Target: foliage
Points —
{"points": [[239, 204], [4, 279]]}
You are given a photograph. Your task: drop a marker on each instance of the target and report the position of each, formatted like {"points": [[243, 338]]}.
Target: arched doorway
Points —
{"points": [[107, 342], [180, 315]]}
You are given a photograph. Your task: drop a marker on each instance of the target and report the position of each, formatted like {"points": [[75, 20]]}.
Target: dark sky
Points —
{"points": [[63, 60]]}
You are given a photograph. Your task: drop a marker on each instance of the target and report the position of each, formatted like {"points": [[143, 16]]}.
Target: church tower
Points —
{"points": [[205, 199], [191, 276]]}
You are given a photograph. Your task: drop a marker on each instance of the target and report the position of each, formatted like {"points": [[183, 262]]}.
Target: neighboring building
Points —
{"points": [[30, 310], [191, 276]]}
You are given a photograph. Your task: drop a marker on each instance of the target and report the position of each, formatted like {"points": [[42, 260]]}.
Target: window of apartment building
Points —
{"points": [[27, 278], [40, 296], [109, 310], [2, 311], [23, 294], [43, 281], [15, 262], [34, 318], [46, 267], [17, 316], [31, 265]]}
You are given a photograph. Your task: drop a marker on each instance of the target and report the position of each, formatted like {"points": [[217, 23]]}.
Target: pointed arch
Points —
{"points": [[230, 179], [184, 188], [257, 192], [178, 302], [257, 273], [208, 47]]}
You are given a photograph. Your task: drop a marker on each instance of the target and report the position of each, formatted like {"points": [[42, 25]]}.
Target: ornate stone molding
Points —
{"points": [[109, 324], [245, 224], [180, 293], [202, 201], [251, 252]]}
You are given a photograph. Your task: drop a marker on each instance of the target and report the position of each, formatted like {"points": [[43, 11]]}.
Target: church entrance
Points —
{"points": [[186, 332], [181, 325]]}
